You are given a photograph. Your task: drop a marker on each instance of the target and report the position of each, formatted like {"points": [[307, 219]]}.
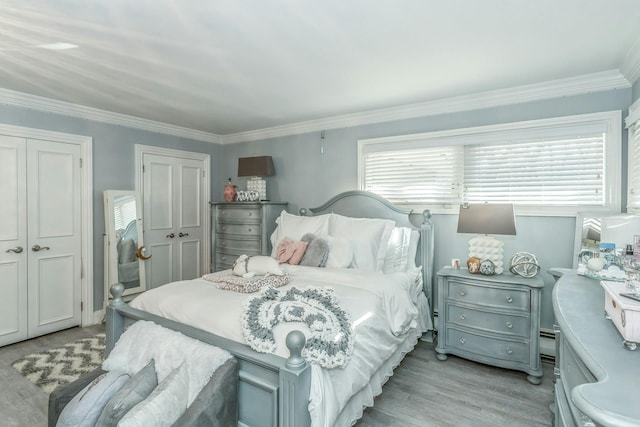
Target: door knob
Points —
{"points": [[182, 234], [37, 248], [17, 249], [171, 236]]}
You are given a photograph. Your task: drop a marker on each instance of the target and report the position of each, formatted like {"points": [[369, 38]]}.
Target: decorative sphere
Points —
{"points": [[524, 264], [487, 267], [473, 265]]}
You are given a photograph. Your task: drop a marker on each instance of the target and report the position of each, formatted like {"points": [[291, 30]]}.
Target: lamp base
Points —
{"points": [[258, 184], [487, 247]]}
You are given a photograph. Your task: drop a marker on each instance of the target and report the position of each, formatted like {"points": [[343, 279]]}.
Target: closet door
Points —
{"points": [[173, 219], [13, 240], [54, 236]]}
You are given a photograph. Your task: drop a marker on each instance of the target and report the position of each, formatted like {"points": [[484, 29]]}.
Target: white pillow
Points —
{"points": [[397, 255], [164, 405], [369, 237], [296, 226], [340, 252]]}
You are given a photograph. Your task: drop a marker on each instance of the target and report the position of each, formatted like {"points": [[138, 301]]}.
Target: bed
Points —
{"points": [[282, 388]]}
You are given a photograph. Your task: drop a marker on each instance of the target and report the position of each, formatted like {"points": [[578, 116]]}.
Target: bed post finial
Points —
{"points": [[295, 343], [116, 291]]}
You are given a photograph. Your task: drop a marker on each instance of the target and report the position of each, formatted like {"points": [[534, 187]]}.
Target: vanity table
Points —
{"points": [[597, 379]]}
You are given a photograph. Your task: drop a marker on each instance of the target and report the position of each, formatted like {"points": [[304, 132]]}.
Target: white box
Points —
{"points": [[624, 312]]}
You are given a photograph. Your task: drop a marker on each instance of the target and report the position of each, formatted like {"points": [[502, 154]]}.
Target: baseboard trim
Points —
{"points": [[98, 317]]}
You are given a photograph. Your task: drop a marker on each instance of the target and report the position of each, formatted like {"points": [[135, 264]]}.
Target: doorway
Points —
{"points": [[175, 188]]}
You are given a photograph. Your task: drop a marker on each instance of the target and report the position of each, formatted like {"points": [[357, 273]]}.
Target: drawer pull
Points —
{"points": [[509, 299], [509, 325], [556, 372], [509, 350], [249, 229], [462, 293], [462, 317], [250, 213], [462, 340]]}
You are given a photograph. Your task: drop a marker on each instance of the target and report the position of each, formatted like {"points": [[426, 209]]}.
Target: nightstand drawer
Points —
{"points": [[240, 229], [239, 214], [488, 321], [488, 346], [489, 296], [249, 247]]}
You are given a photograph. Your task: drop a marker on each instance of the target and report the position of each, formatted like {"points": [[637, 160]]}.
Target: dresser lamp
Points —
{"points": [[256, 168], [487, 219]]}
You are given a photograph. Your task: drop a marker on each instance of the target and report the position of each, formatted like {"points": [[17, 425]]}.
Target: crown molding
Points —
{"points": [[630, 66], [19, 99], [595, 82]]}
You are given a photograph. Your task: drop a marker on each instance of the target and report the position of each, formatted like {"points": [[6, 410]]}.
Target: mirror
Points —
{"points": [[592, 229], [124, 246]]}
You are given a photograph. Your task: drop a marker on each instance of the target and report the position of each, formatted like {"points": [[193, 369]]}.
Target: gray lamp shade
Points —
{"points": [[256, 166], [487, 219]]}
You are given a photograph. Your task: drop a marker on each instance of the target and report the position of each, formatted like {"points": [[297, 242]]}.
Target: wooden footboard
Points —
{"points": [[273, 391]]}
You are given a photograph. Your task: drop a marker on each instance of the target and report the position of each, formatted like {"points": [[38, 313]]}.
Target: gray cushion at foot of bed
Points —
{"points": [[216, 405]]}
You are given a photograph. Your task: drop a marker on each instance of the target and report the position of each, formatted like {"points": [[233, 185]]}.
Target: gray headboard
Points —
{"points": [[362, 204]]}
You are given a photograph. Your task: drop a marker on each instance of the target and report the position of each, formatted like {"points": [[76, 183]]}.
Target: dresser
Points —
{"points": [[490, 319], [596, 377], [241, 228]]}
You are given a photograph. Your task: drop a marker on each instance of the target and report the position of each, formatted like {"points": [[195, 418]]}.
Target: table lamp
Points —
{"points": [[256, 168], [487, 219]]}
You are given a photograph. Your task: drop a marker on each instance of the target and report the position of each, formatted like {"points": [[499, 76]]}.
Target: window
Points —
{"points": [[546, 167], [633, 197]]}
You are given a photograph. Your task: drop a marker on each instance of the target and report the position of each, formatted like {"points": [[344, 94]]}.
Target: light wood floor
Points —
{"points": [[423, 392]]}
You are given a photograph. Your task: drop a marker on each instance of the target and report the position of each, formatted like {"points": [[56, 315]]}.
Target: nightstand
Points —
{"points": [[241, 228], [490, 319]]}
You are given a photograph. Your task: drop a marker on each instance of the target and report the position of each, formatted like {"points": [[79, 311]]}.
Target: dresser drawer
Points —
{"points": [[239, 214], [494, 348], [488, 321], [239, 229], [491, 296], [238, 246]]}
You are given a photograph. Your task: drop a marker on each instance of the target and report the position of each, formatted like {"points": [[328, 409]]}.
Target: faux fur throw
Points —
{"points": [[317, 251], [228, 281], [144, 341], [331, 342]]}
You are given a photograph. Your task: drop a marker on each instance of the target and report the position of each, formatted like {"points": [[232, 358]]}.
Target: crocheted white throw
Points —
{"points": [[228, 281], [331, 342]]}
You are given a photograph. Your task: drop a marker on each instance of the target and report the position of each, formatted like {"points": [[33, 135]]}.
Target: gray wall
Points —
{"points": [[310, 170], [113, 163]]}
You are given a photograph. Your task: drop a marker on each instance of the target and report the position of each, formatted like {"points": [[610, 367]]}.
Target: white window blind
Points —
{"points": [[557, 166], [568, 171], [421, 175], [633, 197]]}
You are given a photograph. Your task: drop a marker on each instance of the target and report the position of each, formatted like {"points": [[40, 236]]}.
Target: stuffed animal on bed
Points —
{"points": [[249, 266]]}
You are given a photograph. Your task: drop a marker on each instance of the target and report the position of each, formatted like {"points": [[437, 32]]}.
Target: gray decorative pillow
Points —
{"points": [[164, 405], [134, 391], [85, 407], [317, 251]]}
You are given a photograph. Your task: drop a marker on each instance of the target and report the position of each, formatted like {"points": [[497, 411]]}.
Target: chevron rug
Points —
{"points": [[62, 365]]}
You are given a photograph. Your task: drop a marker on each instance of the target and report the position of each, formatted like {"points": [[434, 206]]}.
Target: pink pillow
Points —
{"points": [[289, 251]]}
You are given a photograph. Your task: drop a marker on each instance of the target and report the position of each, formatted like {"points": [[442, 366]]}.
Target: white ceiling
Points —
{"points": [[225, 67]]}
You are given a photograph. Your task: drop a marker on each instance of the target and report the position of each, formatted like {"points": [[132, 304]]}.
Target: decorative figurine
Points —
{"points": [[229, 191], [473, 265], [487, 267]]}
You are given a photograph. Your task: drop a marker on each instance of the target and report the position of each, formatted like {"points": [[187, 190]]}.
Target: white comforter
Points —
{"points": [[384, 309]]}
